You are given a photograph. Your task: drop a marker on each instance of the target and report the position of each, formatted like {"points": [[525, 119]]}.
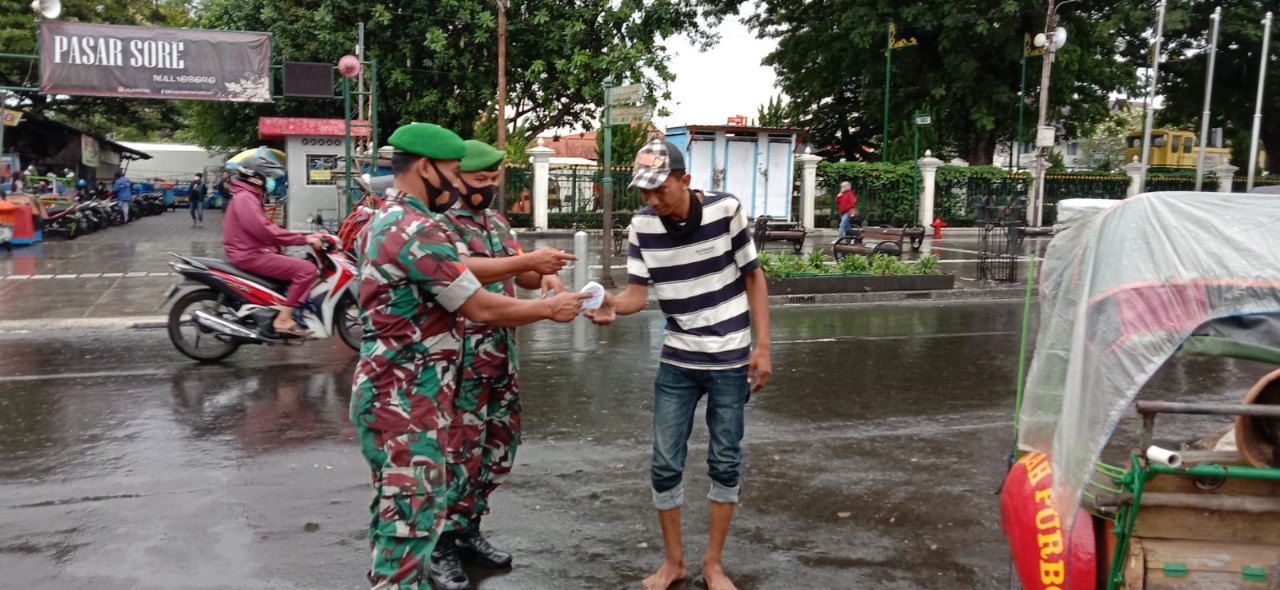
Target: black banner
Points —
{"points": [[112, 60]]}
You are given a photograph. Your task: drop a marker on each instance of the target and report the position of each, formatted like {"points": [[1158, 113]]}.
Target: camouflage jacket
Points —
{"points": [[488, 350], [411, 284]]}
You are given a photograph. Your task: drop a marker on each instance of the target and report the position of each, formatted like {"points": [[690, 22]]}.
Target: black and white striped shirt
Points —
{"points": [[699, 282]]}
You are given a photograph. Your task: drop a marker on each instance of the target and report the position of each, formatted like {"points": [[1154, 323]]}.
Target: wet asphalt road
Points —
{"points": [[872, 458]]}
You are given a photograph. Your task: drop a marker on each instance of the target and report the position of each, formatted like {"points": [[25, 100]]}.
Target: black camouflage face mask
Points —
{"points": [[439, 198], [480, 198]]}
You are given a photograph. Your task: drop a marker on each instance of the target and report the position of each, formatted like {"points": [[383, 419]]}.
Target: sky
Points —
{"points": [[725, 81]]}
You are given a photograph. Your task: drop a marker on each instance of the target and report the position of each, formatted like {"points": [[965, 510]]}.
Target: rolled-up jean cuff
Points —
{"points": [[724, 494], [670, 499]]}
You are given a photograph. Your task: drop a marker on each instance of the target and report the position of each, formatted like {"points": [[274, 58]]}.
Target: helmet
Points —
{"points": [[258, 165]]}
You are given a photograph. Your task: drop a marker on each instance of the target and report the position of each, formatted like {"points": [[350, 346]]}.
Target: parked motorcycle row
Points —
{"points": [[90, 212]]}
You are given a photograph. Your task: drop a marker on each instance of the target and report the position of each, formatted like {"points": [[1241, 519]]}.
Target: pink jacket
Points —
{"points": [[246, 231]]}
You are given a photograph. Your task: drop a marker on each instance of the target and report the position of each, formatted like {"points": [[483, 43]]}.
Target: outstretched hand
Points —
{"points": [[565, 306], [606, 313], [548, 261]]}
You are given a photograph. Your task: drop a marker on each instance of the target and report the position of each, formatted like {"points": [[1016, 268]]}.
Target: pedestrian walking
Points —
{"points": [[487, 403], [413, 288], [695, 248], [847, 204], [195, 199]]}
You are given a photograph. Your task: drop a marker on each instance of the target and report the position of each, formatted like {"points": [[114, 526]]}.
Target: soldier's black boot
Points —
{"points": [[446, 568], [478, 551]]}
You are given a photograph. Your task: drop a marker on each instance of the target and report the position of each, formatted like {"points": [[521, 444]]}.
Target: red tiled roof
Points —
{"points": [[578, 145]]}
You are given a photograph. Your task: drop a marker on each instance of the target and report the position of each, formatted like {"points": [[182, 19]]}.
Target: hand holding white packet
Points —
{"points": [[597, 295]]}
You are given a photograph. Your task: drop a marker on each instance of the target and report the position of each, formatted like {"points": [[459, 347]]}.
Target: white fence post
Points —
{"points": [[540, 156]]}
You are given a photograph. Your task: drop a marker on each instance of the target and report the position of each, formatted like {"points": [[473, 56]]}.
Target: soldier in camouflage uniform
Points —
{"points": [[413, 288], [487, 405]]}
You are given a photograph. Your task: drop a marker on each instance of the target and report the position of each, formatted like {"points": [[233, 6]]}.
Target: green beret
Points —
{"points": [[481, 156], [429, 141]]}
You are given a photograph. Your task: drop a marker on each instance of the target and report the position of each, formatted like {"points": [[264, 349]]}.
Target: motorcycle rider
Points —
{"points": [[253, 242]]}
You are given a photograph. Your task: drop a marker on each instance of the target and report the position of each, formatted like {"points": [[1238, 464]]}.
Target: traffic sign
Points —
{"points": [[923, 120], [630, 115], [629, 94]]}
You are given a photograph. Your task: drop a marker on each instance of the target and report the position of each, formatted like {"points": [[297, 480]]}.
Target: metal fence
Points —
{"points": [[1080, 186], [964, 202], [574, 196], [1241, 183]]}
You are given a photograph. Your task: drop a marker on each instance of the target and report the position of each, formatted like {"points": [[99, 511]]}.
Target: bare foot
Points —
{"points": [[716, 580], [666, 575]]}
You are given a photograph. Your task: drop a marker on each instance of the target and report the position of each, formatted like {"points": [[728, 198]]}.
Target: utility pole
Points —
{"points": [[1257, 113], [502, 100], [1216, 18], [1151, 99], [1042, 150]]}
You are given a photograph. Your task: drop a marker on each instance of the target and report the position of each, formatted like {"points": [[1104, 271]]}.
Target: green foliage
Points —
{"points": [[776, 113], [1108, 138], [627, 141], [929, 265], [886, 192], [964, 69], [518, 136], [1182, 74], [437, 59], [853, 265], [1056, 163], [786, 264], [817, 260]]}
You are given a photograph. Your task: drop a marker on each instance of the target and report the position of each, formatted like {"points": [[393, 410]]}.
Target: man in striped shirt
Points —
{"points": [[696, 249]]}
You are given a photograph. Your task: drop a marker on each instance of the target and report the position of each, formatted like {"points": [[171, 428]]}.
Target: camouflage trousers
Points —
{"points": [[484, 437], [408, 507]]}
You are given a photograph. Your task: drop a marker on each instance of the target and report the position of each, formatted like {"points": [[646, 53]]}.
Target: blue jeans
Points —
{"points": [[845, 220], [124, 209], [676, 394], [197, 208]]}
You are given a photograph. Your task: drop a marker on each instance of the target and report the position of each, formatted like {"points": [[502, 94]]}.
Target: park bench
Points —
{"points": [[770, 230], [887, 240]]}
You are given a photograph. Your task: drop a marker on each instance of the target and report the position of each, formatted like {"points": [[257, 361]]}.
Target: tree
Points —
{"points": [[1182, 74], [127, 118], [964, 67], [776, 113], [627, 141], [1108, 138], [438, 58]]}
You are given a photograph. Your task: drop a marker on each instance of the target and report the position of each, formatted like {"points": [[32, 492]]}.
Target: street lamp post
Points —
{"points": [[1027, 51], [1150, 107], [1216, 18], [893, 43], [1257, 113], [919, 119]]}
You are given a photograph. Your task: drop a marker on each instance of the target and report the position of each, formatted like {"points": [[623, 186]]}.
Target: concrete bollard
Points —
{"points": [[580, 279]]}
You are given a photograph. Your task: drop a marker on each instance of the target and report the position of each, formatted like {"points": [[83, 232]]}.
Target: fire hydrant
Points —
{"points": [[937, 225]]}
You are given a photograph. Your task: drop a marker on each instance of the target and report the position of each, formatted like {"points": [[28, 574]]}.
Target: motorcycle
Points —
{"points": [[152, 203], [225, 307], [64, 220]]}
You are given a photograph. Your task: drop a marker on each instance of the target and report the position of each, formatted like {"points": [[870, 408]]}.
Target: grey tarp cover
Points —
{"points": [[1120, 293]]}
